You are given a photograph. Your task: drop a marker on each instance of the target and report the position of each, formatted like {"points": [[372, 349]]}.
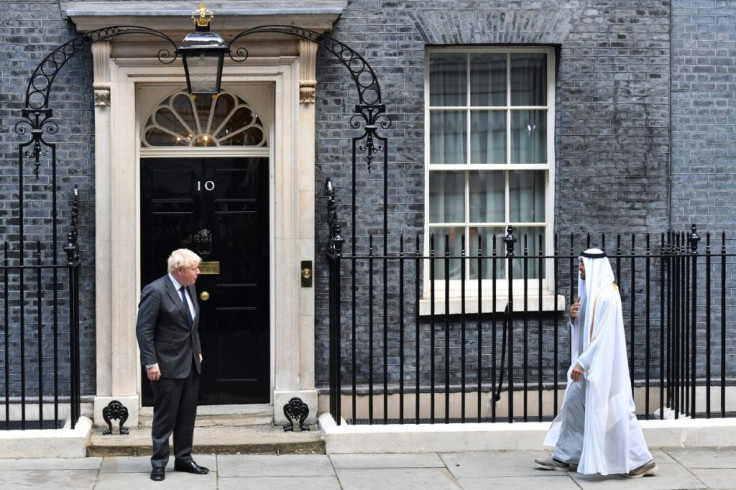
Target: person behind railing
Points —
{"points": [[597, 429]]}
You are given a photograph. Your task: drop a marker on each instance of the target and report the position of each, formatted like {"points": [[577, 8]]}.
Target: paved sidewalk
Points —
{"points": [[678, 468]]}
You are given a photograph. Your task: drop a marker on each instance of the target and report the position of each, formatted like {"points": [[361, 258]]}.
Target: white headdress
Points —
{"points": [[598, 274]]}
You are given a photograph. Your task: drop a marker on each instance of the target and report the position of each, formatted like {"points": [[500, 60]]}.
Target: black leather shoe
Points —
{"points": [[191, 467], [158, 474]]}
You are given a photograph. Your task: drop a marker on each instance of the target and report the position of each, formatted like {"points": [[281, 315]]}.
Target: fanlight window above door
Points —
{"points": [[225, 120]]}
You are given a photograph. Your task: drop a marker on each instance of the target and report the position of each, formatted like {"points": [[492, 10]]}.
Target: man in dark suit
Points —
{"points": [[168, 337]]}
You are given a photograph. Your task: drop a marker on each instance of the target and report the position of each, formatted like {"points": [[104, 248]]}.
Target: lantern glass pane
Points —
{"points": [[204, 70]]}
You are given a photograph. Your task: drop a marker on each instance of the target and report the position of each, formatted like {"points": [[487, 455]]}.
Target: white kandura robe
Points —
{"points": [[612, 440]]}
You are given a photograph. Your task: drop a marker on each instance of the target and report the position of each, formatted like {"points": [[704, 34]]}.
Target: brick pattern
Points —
{"points": [[703, 114], [29, 30], [612, 113]]}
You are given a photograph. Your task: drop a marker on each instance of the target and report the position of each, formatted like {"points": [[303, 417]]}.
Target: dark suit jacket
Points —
{"points": [[163, 331]]}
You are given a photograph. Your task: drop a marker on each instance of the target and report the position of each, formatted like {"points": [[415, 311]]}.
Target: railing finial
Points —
{"points": [[693, 239], [336, 239], [510, 240]]}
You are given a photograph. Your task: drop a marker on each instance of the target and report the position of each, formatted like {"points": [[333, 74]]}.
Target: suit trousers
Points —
{"points": [[174, 411]]}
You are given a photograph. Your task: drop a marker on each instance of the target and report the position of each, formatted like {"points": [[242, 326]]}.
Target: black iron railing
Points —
{"points": [[39, 310], [417, 336]]}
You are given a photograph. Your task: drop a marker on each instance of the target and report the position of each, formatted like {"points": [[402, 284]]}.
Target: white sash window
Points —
{"points": [[489, 155]]}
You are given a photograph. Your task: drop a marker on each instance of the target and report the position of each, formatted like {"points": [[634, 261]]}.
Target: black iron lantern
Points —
{"points": [[203, 53]]}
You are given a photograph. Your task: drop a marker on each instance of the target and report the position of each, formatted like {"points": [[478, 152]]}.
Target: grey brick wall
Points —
{"points": [[29, 30], [703, 166], [703, 114], [612, 128]]}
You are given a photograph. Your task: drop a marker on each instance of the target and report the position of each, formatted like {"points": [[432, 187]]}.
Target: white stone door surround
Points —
{"points": [[117, 222]]}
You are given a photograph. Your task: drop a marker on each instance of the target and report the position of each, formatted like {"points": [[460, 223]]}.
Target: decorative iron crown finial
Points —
{"points": [[202, 16]]}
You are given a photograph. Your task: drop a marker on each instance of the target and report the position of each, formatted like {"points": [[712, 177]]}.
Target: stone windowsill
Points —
{"points": [[471, 304]]}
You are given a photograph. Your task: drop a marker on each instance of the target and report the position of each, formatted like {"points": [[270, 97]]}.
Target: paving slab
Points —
{"points": [[667, 478], [286, 465], [50, 464], [716, 478], [375, 461], [119, 472], [662, 455], [142, 481], [130, 464], [398, 478], [705, 457], [138, 464], [54, 478], [280, 483], [547, 482], [494, 464]]}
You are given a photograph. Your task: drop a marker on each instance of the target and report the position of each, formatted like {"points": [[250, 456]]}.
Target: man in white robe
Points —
{"points": [[596, 429]]}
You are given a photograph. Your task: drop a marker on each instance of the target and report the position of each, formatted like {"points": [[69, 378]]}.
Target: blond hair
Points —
{"points": [[183, 257]]}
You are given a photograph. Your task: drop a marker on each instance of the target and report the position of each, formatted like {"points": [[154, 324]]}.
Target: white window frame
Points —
{"points": [[549, 302]]}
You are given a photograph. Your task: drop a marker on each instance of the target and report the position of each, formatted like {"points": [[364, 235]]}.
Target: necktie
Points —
{"points": [[183, 292]]}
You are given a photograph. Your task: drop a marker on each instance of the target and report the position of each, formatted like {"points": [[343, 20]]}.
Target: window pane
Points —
{"points": [[488, 137], [224, 104], [529, 238], [165, 129], [528, 137], [440, 238], [447, 136], [488, 80], [528, 79], [447, 80], [446, 197], [490, 239], [526, 196], [486, 197], [182, 105]]}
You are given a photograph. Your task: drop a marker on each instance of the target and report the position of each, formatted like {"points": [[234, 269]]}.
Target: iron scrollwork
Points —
{"points": [[39, 86], [370, 111], [296, 409], [36, 116], [36, 122], [372, 116], [369, 92], [115, 411]]}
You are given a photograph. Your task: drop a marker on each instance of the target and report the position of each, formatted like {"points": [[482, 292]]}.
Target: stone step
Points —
{"points": [[220, 415], [214, 439]]}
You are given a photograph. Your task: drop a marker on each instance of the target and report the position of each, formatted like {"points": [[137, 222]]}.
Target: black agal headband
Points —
{"points": [[593, 255]]}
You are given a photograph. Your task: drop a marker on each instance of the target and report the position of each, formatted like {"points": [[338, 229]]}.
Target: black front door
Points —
{"points": [[218, 208]]}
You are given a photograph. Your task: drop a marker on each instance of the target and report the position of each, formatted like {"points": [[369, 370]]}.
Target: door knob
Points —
{"points": [[204, 295]]}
